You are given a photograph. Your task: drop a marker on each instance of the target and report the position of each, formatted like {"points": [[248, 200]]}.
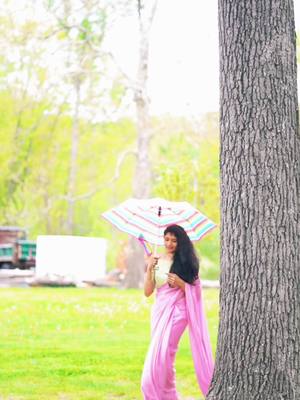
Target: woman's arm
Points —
{"points": [[149, 282]]}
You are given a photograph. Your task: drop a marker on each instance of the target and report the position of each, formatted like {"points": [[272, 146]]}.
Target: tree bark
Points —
{"points": [[258, 351]]}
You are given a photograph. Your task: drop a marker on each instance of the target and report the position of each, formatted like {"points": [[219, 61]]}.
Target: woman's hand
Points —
{"points": [[152, 262], [149, 282], [174, 281]]}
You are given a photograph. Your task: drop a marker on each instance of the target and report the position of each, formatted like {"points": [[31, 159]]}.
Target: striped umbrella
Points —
{"points": [[148, 218]]}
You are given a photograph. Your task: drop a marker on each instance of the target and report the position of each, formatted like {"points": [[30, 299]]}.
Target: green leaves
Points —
{"points": [[117, 92], [50, 4]]}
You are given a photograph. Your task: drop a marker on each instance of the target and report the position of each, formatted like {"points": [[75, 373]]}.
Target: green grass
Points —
{"points": [[72, 344]]}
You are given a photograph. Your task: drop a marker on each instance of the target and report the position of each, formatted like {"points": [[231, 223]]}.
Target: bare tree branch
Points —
{"points": [[132, 84], [91, 193], [116, 176], [152, 14]]}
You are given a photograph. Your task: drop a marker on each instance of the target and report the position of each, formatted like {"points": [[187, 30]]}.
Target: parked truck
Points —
{"points": [[15, 250]]}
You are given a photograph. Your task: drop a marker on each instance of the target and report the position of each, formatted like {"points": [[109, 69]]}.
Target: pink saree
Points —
{"points": [[171, 313]]}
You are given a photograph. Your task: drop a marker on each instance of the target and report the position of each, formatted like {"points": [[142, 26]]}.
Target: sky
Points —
{"points": [[183, 67], [184, 57]]}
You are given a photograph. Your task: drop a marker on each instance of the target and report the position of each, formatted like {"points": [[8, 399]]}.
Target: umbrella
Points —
{"points": [[147, 219]]}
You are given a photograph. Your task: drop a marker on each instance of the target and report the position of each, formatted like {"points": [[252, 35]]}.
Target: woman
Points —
{"points": [[178, 304]]}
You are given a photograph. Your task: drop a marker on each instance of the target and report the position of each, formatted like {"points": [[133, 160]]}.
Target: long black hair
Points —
{"points": [[185, 262]]}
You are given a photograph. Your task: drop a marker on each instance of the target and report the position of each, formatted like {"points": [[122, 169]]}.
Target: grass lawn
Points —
{"points": [[73, 344]]}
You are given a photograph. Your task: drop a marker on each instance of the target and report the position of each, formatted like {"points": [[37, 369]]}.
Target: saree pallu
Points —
{"points": [[171, 313]]}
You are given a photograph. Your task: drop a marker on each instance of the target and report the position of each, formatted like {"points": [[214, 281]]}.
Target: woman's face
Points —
{"points": [[170, 243]]}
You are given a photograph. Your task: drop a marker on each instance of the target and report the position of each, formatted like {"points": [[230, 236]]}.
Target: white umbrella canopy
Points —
{"points": [[148, 218]]}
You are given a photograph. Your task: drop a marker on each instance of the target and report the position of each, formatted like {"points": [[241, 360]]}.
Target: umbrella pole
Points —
{"points": [[155, 246]]}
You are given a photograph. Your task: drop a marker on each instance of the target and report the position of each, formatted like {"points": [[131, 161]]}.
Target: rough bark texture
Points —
{"points": [[258, 353]]}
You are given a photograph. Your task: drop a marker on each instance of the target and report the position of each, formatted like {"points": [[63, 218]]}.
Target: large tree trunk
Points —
{"points": [[142, 177], [258, 352]]}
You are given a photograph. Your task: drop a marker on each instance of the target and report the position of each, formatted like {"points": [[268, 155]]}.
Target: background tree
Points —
{"points": [[23, 83], [80, 29], [142, 176], [45, 48], [258, 354]]}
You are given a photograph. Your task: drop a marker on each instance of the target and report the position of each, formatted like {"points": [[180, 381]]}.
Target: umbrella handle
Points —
{"points": [[147, 247]]}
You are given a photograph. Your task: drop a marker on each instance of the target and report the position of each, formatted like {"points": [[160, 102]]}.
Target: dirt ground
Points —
{"points": [[24, 278], [15, 277]]}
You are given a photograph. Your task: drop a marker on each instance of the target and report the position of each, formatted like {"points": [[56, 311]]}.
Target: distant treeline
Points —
{"points": [[37, 160]]}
